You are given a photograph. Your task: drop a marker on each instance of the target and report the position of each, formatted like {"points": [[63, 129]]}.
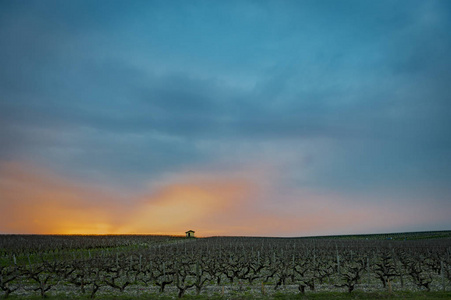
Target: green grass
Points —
{"points": [[80, 253], [245, 296], [368, 295]]}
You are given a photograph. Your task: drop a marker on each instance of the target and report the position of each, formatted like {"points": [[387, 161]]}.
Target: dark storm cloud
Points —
{"points": [[114, 88]]}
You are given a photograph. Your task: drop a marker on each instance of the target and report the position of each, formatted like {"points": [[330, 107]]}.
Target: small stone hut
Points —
{"points": [[190, 234]]}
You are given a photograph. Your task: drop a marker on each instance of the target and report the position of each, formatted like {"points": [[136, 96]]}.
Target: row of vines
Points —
{"points": [[179, 266]]}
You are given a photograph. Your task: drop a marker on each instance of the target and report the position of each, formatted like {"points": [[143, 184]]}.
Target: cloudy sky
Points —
{"points": [[276, 118]]}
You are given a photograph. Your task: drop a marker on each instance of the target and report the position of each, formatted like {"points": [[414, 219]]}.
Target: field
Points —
{"points": [[402, 265]]}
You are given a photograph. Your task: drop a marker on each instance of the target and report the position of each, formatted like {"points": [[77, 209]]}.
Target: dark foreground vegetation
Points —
{"points": [[407, 266]]}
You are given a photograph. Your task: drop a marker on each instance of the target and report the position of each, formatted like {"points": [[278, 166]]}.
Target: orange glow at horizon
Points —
{"points": [[36, 200]]}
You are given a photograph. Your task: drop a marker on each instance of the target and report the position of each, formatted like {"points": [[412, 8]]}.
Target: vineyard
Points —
{"points": [[136, 265]]}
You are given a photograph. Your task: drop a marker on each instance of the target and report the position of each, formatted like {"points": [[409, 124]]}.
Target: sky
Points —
{"points": [[249, 118]]}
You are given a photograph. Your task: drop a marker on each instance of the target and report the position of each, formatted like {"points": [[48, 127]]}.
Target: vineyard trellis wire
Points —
{"points": [[87, 265]]}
